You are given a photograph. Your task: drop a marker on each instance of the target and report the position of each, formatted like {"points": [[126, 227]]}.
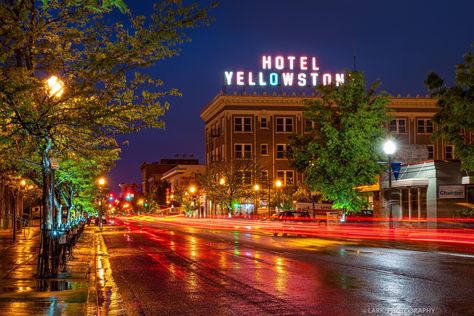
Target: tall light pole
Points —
{"points": [[101, 183], [389, 148], [256, 188]]}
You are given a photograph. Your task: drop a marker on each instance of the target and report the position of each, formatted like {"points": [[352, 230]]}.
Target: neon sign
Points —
{"points": [[286, 71]]}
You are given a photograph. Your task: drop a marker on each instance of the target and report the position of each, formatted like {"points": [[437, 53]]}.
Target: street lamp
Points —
{"points": [[192, 190], [389, 148], [55, 86], [278, 185], [256, 188], [101, 183]]}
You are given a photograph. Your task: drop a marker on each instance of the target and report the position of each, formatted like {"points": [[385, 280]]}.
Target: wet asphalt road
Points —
{"points": [[163, 269]]}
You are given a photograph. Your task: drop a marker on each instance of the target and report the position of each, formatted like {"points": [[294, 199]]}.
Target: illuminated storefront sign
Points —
{"points": [[286, 71]]}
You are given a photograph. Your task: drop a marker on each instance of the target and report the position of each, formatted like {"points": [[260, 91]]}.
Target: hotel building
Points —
{"points": [[257, 126]]}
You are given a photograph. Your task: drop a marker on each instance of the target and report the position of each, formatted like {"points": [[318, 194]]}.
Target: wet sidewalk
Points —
{"points": [[85, 288]]}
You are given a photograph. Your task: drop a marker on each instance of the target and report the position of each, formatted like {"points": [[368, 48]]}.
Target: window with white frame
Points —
{"points": [[424, 126], [449, 152], [398, 126], [242, 124], [286, 176], [263, 122], [264, 149], [242, 151], [284, 125], [281, 150]]}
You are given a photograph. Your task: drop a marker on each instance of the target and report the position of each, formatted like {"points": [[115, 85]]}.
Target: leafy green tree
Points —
{"points": [[231, 182], [285, 197], [343, 149], [455, 117], [188, 201], [97, 86]]}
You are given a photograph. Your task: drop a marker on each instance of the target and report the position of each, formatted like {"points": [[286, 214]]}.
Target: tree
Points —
{"points": [[455, 117], [343, 149], [97, 86], [228, 183]]}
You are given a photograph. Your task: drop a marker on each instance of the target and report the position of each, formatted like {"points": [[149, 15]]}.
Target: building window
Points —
{"points": [[430, 151], [245, 177], [242, 124], [243, 151], [264, 175], [286, 176], [264, 149], [308, 126], [398, 126], [281, 150], [263, 122], [424, 126], [449, 152], [284, 124]]}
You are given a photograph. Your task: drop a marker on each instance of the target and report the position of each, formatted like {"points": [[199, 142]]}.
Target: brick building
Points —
{"points": [[257, 127]]}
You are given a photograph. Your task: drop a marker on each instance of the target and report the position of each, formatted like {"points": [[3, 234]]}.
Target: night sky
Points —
{"points": [[398, 42]]}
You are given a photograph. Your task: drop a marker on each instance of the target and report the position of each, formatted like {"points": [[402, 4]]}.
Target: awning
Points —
{"points": [[413, 182]]}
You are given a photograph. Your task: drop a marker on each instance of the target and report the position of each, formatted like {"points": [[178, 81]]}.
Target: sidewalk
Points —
{"points": [[85, 288]]}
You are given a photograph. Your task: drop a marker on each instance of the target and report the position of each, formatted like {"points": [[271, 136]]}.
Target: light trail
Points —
{"points": [[375, 231]]}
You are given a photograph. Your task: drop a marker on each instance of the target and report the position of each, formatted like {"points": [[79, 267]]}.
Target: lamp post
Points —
{"points": [[389, 148], [256, 188], [192, 191], [101, 183], [278, 184]]}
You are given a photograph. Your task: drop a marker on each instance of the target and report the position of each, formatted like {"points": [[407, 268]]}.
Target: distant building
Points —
{"points": [[257, 127], [181, 176], [153, 172]]}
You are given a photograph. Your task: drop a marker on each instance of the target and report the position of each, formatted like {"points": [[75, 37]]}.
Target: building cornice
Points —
{"points": [[219, 102]]}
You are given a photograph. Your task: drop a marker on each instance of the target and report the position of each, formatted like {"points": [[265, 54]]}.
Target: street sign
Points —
{"points": [[396, 166]]}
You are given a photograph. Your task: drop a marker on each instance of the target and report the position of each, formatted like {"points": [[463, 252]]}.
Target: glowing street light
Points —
{"points": [[389, 149], [101, 181], [221, 181], [256, 188], [55, 86], [278, 184], [192, 189]]}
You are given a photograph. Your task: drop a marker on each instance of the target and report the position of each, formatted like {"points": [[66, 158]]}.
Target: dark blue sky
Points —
{"points": [[398, 42]]}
